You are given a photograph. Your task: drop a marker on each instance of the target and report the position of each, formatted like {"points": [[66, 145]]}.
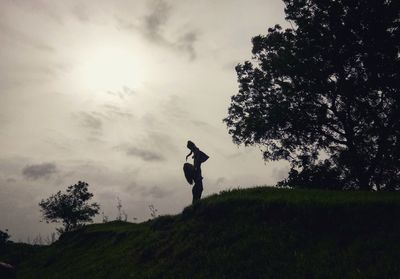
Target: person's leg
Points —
{"points": [[197, 190], [200, 183], [195, 194]]}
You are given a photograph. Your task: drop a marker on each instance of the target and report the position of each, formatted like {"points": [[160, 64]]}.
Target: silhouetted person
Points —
{"points": [[199, 157]]}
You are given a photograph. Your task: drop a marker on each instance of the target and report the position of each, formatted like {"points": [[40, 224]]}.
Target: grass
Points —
{"points": [[244, 233]]}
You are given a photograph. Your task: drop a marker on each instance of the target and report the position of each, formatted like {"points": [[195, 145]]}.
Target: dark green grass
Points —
{"points": [[247, 233]]}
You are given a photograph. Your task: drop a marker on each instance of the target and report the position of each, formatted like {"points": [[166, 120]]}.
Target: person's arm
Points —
{"points": [[189, 155]]}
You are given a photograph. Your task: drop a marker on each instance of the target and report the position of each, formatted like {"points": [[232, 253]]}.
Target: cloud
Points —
{"points": [[154, 25], [111, 111], [49, 9], [145, 155], [11, 180], [94, 120], [200, 123], [156, 19], [160, 141], [38, 171], [175, 108], [132, 186], [96, 124], [13, 34], [153, 146], [124, 93], [155, 192], [124, 24], [186, 43], [90, 120], [81, 12], [92, 123]]}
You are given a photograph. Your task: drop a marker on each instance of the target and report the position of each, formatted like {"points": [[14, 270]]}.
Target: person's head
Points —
{"points": [[191, 145]]}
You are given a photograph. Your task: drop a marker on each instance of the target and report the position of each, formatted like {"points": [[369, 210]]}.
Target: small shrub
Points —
{"points": [[153, 211], [71, 208], [4, 236]]}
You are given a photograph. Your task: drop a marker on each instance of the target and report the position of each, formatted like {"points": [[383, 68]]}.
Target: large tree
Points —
{"points": [[71, 208], [325, 94]]}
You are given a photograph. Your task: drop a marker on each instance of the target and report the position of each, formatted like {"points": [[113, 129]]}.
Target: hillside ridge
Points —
{"points": [[244, 233]]}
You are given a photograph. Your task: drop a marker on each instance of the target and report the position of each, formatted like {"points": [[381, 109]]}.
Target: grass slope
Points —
{"points": [[249, 233]]}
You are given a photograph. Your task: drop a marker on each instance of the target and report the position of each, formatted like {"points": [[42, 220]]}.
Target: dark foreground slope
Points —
{"points": [[253, 233]]}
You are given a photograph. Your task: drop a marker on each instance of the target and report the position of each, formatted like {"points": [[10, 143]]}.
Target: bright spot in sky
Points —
{"points": [[108, 68]]}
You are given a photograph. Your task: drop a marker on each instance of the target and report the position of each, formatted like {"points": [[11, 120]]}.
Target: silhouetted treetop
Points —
{"points": [[72, 208], [4, 236], [325, 94]]}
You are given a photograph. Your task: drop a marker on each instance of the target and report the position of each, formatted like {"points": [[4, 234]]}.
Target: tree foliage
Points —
{"points": [[325, 94], [71, 208]]}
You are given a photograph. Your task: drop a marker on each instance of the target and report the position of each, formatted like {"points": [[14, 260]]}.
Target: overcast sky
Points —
{"points": [[109, 92]]}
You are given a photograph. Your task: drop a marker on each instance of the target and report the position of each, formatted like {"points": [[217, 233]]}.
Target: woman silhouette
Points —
{"points": [[199, 157]]}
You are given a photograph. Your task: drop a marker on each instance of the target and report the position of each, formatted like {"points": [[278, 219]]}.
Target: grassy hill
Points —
{"points": [[249, 233]]}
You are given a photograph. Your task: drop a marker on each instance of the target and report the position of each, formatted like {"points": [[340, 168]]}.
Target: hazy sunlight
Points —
{"points": [[108, 68]]}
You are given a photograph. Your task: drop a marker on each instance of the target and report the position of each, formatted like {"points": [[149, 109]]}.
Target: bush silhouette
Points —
{"points": [[4, 236], [72, 208]]}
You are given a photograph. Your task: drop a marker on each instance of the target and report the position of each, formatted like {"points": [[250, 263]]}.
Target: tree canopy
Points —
{"points": [[72, 208], [325, 94]]}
